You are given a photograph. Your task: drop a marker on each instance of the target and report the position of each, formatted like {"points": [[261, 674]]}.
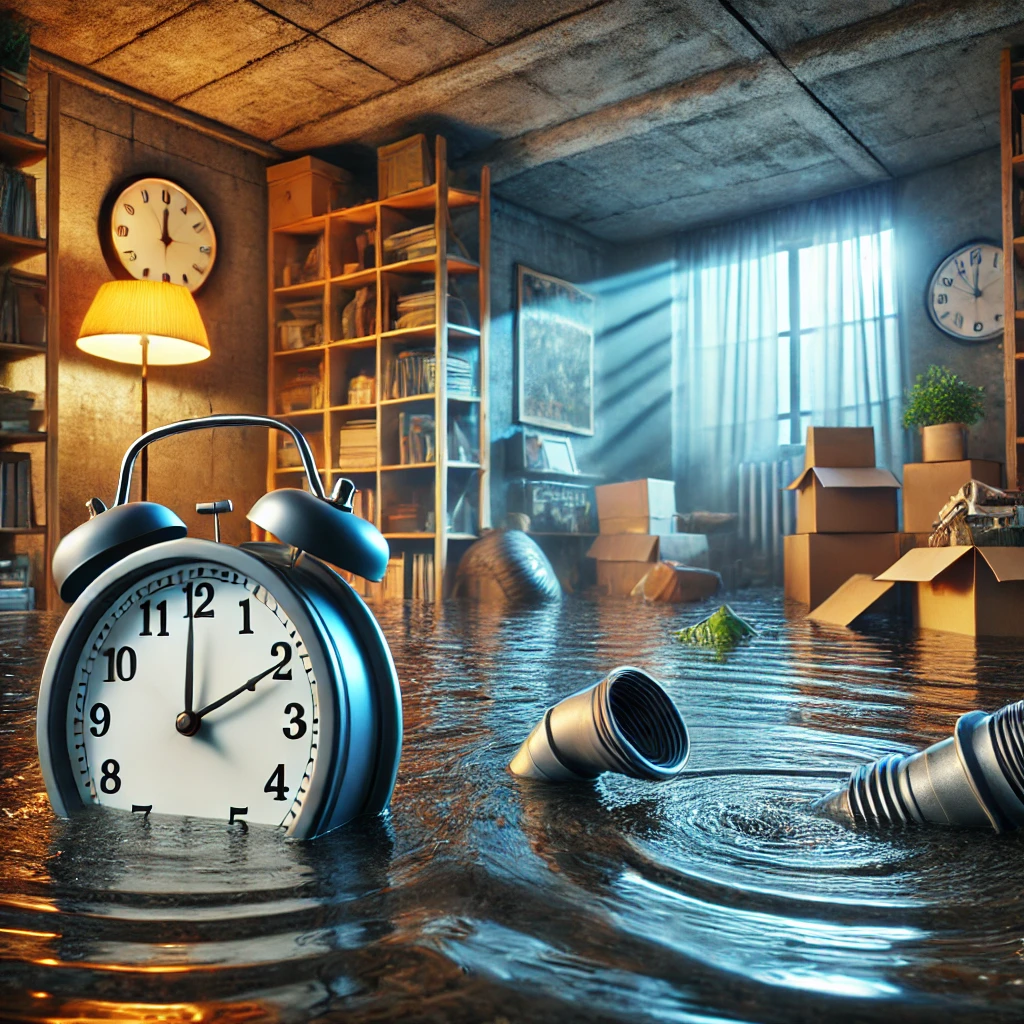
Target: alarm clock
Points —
{"points": [[192, 677]]}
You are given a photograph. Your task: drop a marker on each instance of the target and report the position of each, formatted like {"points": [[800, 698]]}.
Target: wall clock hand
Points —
{"points": [[188, 722], [189, 666]]}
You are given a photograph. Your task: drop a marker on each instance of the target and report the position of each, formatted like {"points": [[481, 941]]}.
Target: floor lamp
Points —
{"points": [[145, 323]]}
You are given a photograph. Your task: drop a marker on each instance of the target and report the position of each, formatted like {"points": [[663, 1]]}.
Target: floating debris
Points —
{"points": [[723, 630]]}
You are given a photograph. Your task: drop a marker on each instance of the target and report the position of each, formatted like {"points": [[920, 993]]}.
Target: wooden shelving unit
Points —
{"points": [[1011, 88], [435, 486], [33, 366]]}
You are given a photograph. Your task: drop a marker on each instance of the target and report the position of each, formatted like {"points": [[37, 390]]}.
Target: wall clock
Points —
{"points": [[965, 296], [153, 228], [192, 677]]}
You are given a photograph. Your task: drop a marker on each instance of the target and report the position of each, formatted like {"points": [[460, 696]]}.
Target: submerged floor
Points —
{"points": [[484, 898]]}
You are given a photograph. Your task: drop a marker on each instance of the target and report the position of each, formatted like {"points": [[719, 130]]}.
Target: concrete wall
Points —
{"points": [[938, 210], [104, 142], [551, 247]]}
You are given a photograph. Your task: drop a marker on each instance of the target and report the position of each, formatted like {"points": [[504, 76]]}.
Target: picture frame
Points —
{"points": [[548, 453], [554, 353]]}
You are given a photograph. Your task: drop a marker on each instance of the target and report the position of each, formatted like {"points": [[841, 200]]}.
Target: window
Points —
{"points": [[836, 288]]}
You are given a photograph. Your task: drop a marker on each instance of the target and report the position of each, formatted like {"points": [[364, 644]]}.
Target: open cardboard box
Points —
{"points": [[816, 564], [970, 590], [624, 559], [927, 486], [856, 500]]}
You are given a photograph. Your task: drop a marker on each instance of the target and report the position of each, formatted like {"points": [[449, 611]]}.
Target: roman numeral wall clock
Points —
{"points": [[155, 229]]}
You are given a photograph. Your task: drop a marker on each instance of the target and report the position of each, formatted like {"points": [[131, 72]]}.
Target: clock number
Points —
{"points": [[166, 278], [202, 612], [942, 298], [246, 625], [297, 711], [275, 784], [100, 714], [122, 231], [198, 226], [129, 209], [162, 611], [198, 269], [131, 254], [145, 195], [948, 282], [975, 256], [978, 325], [165, 196], [205, 250], [110, 782], [124, 661], [958, 319], [274, 651]]}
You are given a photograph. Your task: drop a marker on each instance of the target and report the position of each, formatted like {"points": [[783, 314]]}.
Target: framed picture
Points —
{"points": [[555, 353], [549, 452]]}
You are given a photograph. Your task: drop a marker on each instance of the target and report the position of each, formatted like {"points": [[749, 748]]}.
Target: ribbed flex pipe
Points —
{"points": [[625, 723], [973, 779]]}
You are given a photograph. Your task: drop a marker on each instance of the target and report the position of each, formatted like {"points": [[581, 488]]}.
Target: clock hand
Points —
{"points": [[165, 237], [189, 665], [187, 723], [976, 291]]}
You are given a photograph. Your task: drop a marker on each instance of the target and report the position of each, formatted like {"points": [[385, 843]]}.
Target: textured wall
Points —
{"points": [[938, 210], [104, 142], [551, 247]]}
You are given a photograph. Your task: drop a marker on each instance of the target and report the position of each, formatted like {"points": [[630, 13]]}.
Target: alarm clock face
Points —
{"points": [[193, 693], [157, 231], [965, 296]]}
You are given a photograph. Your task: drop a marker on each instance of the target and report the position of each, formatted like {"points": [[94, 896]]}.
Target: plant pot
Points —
{"points": [[944, 442]]}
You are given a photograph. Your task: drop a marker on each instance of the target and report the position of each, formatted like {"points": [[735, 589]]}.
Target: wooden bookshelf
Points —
{"points": [[1011, 89], [433, 486], [31, 364]]}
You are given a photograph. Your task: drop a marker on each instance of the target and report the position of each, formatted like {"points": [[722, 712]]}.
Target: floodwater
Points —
{"points": [[484, 898]]}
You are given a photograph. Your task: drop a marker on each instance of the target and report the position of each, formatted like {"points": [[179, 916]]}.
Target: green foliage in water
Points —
{"points": [[723, 630], [14, 42], [940, 396]]}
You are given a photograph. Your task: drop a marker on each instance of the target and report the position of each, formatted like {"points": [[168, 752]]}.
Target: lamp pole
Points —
{"points": [[144, 481]]}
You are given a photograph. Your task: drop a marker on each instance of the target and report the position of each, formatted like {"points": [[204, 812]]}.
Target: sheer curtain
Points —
{"points": [[782, 321]]}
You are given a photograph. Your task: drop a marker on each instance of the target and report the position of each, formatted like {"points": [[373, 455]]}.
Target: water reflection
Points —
{"points": [[485, 898]]}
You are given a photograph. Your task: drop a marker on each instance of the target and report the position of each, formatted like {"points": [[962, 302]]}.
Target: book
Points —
{"points": [[15, 489]]}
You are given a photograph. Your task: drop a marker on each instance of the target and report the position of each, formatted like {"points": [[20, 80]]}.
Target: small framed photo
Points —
{"points": [[549, 452]]}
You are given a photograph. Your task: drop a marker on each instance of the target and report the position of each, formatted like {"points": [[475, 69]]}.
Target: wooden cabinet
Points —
{"points": [[378, 354], [1012, 141]]}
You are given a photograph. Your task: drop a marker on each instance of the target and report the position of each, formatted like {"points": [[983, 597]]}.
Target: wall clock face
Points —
{"points": [[204, 627], [157, 231], [965, 296]]}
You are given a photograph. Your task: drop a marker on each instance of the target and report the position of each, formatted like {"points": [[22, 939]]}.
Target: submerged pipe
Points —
{"points": [[625, 723], [973, 778]]}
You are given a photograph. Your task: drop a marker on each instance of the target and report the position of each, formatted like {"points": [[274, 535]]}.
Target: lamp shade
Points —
{"points": [[125, 311]]}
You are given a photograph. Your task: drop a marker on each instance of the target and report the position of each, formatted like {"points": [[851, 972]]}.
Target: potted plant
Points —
{"points": [[943, 405], [14, 43]]}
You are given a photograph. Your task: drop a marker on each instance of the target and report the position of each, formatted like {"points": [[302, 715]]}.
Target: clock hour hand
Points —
{"points": [[188, 722], [166, 236], [189, 666]]}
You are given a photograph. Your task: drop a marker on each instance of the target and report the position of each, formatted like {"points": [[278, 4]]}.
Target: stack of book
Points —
{"points": [[417, 309], [17, 203], [302, 389], [413, 244], [422, 582], [300, 325], [416, 438], [359, 315], [357, 445], [16, 592], [15, 490], [460, 376], [14, 410], [414, 372]]}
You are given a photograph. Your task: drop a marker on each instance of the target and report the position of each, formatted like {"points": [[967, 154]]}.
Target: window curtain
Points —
{"points": [[726, 397], [733, 323]]}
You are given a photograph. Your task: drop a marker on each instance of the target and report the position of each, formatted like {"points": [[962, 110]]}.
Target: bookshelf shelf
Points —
{"points": [[27, 362], [20, 150], [14, 249], [441, 353], [291, 353], [11, 352]]}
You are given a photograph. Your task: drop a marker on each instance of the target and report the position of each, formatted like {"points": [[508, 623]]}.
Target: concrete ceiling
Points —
{"points": [[629, 119]]}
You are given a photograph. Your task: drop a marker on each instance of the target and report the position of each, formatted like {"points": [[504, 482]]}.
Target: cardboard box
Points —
{"points": [[840, 447], [306, 187], [861, 500], [970, 590], [817, 564], [927, 486], [637, 506], [624, 559]]}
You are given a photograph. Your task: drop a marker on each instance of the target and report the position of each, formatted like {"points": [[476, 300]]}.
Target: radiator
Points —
{"points": [[767, 510]]}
